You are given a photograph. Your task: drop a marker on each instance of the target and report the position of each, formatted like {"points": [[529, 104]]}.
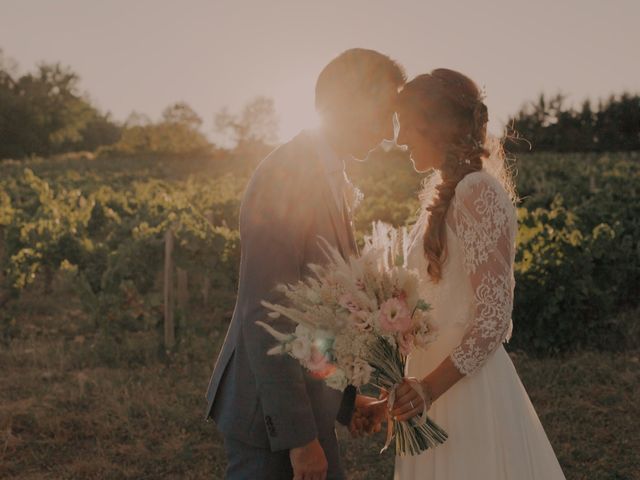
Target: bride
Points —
{"points": [[463, 247]]}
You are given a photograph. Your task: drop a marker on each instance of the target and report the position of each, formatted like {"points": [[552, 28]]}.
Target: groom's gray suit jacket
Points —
{"points": [[271, 401]]}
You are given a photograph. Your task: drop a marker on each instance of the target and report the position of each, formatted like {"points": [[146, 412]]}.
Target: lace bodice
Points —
{"points": [[477, 282]]}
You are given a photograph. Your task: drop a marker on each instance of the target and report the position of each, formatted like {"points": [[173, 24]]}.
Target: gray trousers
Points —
{"points": [[247, 462]]}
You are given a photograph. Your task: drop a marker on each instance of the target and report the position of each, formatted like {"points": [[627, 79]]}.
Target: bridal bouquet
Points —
{"points": [[356, 322]]}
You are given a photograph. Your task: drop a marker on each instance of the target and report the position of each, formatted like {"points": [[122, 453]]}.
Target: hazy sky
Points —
{"points": [[145, 54]]}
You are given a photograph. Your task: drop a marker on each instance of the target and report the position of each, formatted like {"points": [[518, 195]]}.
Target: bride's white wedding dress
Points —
{"points": [[494, 432]]}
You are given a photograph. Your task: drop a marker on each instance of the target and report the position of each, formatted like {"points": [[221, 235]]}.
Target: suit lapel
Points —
{"points": [[339, 222]]}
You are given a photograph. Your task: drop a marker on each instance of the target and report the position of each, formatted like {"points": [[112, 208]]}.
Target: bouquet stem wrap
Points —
{"points": [[417, 434]]}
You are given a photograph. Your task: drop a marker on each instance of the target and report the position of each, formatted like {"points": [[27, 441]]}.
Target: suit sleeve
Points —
{"points": [[272, 223]]}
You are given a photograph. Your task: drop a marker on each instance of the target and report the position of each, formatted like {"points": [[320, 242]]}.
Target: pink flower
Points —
{"points": [[395, 316]]}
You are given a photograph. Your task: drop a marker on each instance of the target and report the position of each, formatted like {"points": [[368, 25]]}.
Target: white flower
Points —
{"points": [[313, 296], [303, 331], [348, 346], [337, 380], [301, 348], [360, 373], [425, 333]]}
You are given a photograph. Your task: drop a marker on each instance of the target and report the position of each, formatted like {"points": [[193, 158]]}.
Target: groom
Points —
{"points": [[278, 421]]}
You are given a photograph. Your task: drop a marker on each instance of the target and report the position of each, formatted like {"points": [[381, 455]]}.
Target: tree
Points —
{"points": [[44, 113], [8, 69], [182, 114], [176, 134], [136, 119], [58, 113], [99, 131], [257, 124], [548, 125]]}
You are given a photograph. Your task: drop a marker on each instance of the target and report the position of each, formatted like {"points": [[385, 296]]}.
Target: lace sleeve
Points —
{"points": [[485, 223]]}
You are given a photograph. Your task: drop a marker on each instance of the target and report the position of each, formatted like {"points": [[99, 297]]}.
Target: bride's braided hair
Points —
{"points": [[451, 104]]}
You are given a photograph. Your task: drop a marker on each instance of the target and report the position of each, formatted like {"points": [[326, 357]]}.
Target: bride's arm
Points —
{"points": [[485, 225]]}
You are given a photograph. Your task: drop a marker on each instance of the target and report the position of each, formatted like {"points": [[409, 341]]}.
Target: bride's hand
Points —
{"points": [[408, 402]]}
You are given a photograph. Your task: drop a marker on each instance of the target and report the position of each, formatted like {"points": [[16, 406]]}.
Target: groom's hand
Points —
{"points": [[369, 415], [309, 462]]}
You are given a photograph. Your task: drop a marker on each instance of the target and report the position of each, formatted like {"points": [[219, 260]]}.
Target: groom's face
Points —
{"points": [[374, 122]]}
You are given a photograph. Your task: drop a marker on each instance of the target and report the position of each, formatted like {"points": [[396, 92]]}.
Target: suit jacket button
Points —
{"points": [[270, 427]]}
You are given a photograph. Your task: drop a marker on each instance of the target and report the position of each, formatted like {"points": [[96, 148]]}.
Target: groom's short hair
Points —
{"points": [[355, 74]]}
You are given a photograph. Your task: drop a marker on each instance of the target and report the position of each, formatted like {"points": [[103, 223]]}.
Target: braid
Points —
{"points": [[457, 166]]}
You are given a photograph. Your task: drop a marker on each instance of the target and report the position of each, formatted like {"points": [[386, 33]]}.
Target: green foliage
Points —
{"points": [[112, 238], [578, 261], [177, 134], [549, 125], [560, 302], [390, 189], [43, 113], [104, 221]]}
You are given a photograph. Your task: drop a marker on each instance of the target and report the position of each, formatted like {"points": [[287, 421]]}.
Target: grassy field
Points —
{"points": [[77, 405]]}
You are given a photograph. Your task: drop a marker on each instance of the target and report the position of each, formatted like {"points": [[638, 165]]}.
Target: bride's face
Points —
{"points": [[422, 140]]}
